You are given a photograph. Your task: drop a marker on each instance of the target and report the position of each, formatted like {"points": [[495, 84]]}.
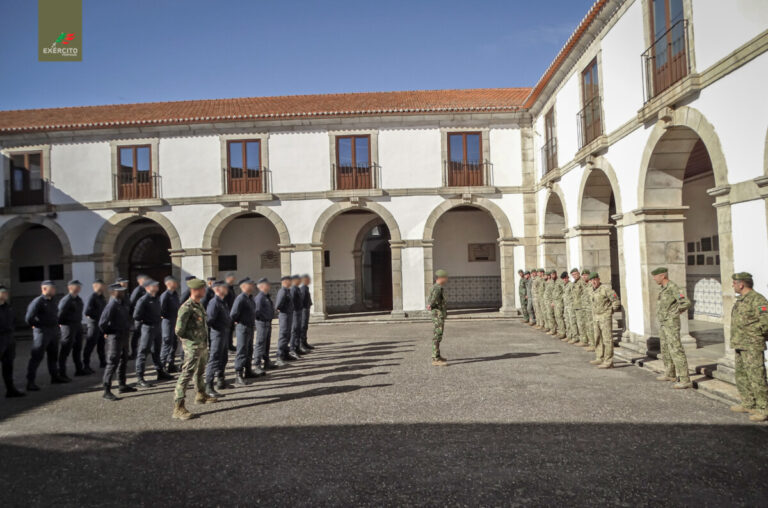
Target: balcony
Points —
{"points": [[247, 181], [667, 61], [466, 174], [28, 194], [548, 156], [589, 122], [356, 177], [142, 185]]}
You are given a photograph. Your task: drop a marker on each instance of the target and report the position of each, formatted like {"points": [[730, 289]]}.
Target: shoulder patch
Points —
{"points": [[763, 309]]}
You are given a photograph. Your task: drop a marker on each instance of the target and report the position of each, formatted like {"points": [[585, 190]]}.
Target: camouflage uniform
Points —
{"points": [[436, 302], [588, 330], [671, 302], [549, 312], [556, 294], [570, 329], [192, 330], [535, 290], [577, 319], [522, 293], [749, 327], [604, 302], [529, 300]]}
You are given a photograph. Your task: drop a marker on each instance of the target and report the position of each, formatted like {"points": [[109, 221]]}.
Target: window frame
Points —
{"points": [[550, 140], [27, 196], [361, 178], [136, 186], [591, 101], [463, 173], [252, 185]]}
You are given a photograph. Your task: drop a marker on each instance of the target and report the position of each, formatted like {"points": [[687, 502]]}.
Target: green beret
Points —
{"points": [[659, 270], [553, 272], [742, 276], [585, 272], [594, 276], [195, 284], [441, 273], [574, 270], [539, 269], [526, 272]]}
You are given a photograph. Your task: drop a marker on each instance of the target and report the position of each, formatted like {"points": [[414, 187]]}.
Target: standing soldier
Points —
{"points": [[567, 306], [749, 327], [7, 343], [219, 323], [298, 305], [70, 324], [284, 306], [604, 303], [115, 323], [549, 310], [436, 305], [136, 294], [521, 293], [577, 286], [671, 303], [307, 301], [148, 315], [230, 301], [558, 309], [94, 337], [529, 298], [42, 315], [193, 333], [265, 313], [588, 330], [169, 310], [538, 299], [243, 317]]}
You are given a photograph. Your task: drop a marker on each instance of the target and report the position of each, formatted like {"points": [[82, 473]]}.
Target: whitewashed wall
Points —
{"points": [[410, 158], [81, 173], [190, 166]]}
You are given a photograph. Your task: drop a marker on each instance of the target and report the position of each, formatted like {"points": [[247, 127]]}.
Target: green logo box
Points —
{"points": [[60, 30]]}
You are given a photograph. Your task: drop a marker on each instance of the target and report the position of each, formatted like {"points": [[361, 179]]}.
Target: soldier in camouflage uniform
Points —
{"points": [[529, 298], [574, 301], [436, 306], [548, 305], [604, 303], [587, 330], [556, 295], [671, 303], [749, 328], [521, 293], [535, 289], [192, 331]]}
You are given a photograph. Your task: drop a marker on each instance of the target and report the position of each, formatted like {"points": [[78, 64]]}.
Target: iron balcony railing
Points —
{"points": [[466, 174], [247, 181], [356, 176], [548, 156], [143, 185], [589, 121], [667, 61]]}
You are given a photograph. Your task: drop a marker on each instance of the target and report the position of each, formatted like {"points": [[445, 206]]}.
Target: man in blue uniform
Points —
{"points": [[209, 294], [307, 305], [137, 293], [298, 311], [230, 300], [43, 316], [94, 339], [7, 343], [169, 309], [219, 324], [242, 316], [284, 306], [148, 316], [70, 325], [115, 322], [265, 312]]}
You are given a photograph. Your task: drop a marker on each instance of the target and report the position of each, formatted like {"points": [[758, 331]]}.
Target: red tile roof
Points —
{"points": [[264, 108]]}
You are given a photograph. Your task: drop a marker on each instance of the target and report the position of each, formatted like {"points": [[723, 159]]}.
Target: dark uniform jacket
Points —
{"points": [[184, 296], [6, 320], [284, 301], [306, 297], [265, 309], [137, 293], [243, 310], [169, 305], [147, 311], [42, 313], [115, 318], [217, 315], [95, 306], [230, 298], [298, 300], [70, 310], [209, 295]]}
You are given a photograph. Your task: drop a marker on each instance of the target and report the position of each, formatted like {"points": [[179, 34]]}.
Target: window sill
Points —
{"points": [[683, 89], [597, 146], [349, 193], [449, 191]]}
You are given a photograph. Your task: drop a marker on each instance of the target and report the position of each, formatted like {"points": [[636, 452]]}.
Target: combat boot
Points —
{"points": [[108, 392], [740, 409], [221, 383], [664, 377], [573, 341], [210, 391], [204, 398], [605, 366], [308, 346], [32, 387], [239, 379], [281, 362], [12, 393], [180, 412], [293, 355], [595, 362], [249, 373], [590, 348], [142, 383], [580, 344], [258, 371], [439, 362], [682, 385], [172, 368], [124, 388], [563, 338], [758, 417], [164, 376]]}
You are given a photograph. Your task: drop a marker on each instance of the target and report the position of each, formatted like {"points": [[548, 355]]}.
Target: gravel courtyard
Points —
{"points": [[517, 418]]}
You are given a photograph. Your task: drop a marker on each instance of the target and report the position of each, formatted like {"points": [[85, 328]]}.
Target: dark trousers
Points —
{"points": [[7, 355], [296, 330], [116, 346], [135, 337], [217, 359], [44, 341], [263, 340], [244, 344], [284, 336], [71, 342], [304, 325], [94, 339], [170, 342], [149, 341]]}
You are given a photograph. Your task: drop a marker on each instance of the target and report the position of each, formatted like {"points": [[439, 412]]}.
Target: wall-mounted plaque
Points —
{"points": [[270, 259], [482, 252]]}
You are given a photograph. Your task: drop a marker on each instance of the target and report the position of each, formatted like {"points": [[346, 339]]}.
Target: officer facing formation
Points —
{"points": [[7, 343], [604, 303], [671, 303], [436, 305]]}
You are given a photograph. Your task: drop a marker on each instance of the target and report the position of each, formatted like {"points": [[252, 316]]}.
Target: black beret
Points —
{"points": [[295, 277], [116, 287], [189, 277], [169, 278], [150, 282], [219, 283], [263, 280], [564, 275], [211, 278], [74, 282], [246, 280], [47, 283], [285, 277], [98, 281]]}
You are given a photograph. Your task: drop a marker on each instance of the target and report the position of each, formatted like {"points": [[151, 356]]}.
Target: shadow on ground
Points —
{"points": [[403, 464]]}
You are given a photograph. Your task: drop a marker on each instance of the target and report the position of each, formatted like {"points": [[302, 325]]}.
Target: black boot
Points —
{"points": [[269, 365], [258, 371], [87, 370], [172, 368], [221, 383], [108, 392], [281, 362], [164, 376], [249, 373], [141, 383], [307, 346], [293, 355], [124, 388], [239, 379], [211, 391], [32, 387], [12, 392]]}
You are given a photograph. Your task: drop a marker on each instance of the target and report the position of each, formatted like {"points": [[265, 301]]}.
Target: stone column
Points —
{"points": [[619, 218], [725, 365], [357, 257], [596, 248], [429, 273], [318, 278], [396, 249], [507, 266], [285, 257], [554, 250]]}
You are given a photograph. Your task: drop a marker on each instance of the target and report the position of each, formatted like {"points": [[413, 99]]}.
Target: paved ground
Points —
{"points": [[518, 418]]}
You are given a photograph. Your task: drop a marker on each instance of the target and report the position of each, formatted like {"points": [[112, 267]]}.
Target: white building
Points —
{"points": [[644, 144]]}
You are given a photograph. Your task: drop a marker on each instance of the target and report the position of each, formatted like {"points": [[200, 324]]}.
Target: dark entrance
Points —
{"points": [[377, 269], [150, 256]]}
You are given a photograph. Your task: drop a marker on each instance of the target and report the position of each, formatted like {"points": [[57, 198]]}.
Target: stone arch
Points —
{"points": [[220, 221], [552, 238], [600, 164], [13, 228], [318, 237], [104, 245], [506, 242]]}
